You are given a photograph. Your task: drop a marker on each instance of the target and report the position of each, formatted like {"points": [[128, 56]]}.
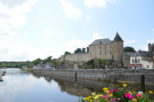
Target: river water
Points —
{"points": [[21, 86]]}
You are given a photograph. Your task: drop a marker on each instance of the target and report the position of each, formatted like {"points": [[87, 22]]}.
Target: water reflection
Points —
{"points": [[86, 87], [19, 86]]}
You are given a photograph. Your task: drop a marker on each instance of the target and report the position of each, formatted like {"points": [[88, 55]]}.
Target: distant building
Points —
{"points": [[99, 49], [141, 59], [42, 65]]}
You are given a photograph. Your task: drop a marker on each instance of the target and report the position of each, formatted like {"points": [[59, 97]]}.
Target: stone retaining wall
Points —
{"points": [[128, 76]]}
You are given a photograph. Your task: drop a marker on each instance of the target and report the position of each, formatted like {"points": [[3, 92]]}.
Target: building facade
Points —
{"points": [[141, 59], [100, 49]]}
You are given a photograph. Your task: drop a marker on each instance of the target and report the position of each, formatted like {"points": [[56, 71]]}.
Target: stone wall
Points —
{"points": [[80, 57], [130, 76]]}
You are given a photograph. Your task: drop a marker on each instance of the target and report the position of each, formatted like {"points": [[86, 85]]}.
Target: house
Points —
{"points": [[43, 65], [141, 59]]}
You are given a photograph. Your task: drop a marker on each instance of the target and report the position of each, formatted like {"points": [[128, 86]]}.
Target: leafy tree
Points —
{"points": [[36, 61], [48, 59], [54, 62], [67, 53], [129, 49], [78, 50]]}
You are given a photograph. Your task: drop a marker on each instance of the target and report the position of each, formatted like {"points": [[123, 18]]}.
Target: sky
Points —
{"points": [[31, 29]]}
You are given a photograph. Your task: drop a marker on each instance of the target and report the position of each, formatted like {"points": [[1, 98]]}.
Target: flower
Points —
{"points": [[129, 96], [94, 93], [113, 99], [96, 97], [105, 89], [138, 95], [140, 92], [106, 96], [124, 85], [111, 91], [150, 92]]}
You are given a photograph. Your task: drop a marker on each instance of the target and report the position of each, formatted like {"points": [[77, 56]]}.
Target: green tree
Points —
{"points": [[129, 49], [67, 53], [36, 61], [78, 50]]}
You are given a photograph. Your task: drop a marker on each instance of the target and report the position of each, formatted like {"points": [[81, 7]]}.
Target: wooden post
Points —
{"points": [[143, 83]]}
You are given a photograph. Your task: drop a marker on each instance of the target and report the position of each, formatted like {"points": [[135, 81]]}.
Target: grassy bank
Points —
{"points": [[27, 69]]}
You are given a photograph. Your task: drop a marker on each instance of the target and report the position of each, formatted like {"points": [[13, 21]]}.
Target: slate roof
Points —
{"points": [[129, 53], [101, 41], [118, 38]]}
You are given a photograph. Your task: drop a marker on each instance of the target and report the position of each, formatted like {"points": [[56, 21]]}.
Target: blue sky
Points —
{"points": [[31, 29]]}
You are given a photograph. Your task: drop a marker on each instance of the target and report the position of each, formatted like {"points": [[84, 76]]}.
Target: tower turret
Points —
{"points": [[117, 48]]}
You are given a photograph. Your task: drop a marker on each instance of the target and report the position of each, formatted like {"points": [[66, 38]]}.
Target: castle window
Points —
{"points": [[105, 52], [100, 52], [110, 52]]}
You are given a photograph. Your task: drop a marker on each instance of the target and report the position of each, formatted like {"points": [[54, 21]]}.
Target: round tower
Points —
{"points": [[117, 48]]}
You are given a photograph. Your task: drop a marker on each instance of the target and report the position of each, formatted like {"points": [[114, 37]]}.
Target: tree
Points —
{"points": [[48, 59], [129, 49], [36, 61], [78, 50], [67, 53]]}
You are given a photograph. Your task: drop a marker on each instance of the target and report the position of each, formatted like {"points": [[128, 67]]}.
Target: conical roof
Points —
{"points": [[118, 38]]}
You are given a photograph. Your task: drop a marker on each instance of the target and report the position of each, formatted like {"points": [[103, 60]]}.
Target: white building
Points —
{"points": [[141, 60]]}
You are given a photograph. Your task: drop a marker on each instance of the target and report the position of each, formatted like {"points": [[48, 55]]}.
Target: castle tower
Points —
{"points": [[117, 48]]}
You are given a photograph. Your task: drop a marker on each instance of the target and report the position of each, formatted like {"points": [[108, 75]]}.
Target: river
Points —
{"points": [[21, 86]]}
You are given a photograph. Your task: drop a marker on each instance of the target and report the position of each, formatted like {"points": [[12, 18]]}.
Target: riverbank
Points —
{"points": [[27, 69], [129, 76]]}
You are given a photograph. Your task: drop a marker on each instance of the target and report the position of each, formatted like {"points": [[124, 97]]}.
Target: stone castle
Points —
{"points": [[99, 49]]}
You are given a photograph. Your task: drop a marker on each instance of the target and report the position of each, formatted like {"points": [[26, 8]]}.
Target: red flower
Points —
{"points": [[106, 96], [111, 91], [138, 95], [129, 96]]}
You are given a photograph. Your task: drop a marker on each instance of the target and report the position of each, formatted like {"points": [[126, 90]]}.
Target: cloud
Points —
{"points": [[49, 32], [88, 18], [150, 41], [13, 15], [97, 3], [78, 43], [129, 42], [71, 11]]}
